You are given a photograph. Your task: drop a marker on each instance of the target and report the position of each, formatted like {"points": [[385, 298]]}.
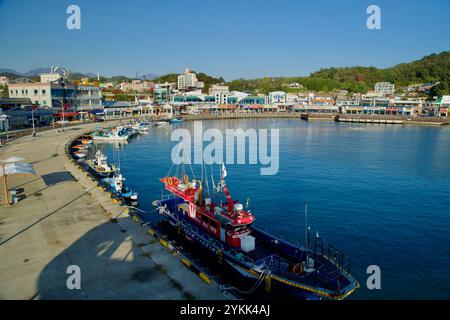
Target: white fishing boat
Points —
{"points": [[117, 134], [100, 167]]}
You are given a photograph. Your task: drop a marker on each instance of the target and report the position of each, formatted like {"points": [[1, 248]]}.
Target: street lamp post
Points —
{"points": [[5, 184], [32, 120]]}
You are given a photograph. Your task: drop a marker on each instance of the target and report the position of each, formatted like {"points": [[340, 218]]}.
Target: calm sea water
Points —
{"points": [[379, 193]]}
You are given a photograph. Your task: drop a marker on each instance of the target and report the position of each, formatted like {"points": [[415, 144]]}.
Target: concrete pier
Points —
{"points": [[66, 220]]}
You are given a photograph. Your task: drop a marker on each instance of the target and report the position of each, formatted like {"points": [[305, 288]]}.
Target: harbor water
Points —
{"points": [[379, 193]]}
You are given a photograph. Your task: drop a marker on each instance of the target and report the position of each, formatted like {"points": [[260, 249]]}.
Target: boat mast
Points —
{"points": [[225, 190]]}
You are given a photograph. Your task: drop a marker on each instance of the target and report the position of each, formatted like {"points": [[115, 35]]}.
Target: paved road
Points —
{"points": [[66, 220]]}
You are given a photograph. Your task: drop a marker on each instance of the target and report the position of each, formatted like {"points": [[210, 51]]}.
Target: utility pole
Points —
{"points": [[62, 103]]}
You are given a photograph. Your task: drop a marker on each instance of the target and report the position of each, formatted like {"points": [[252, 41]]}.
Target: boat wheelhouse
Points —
{"points": [[99, 166]]}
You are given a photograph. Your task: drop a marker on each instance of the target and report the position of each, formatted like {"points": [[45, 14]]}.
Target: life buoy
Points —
{"points": [[170, 181]]}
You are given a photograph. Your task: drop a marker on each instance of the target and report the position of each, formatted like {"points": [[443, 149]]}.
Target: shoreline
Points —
{"points": [[379, 119], [322, 117]]}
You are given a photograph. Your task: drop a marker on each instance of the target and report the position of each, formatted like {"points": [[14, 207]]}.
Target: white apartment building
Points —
{"points": [[384, 87], [38, 93], [220, 93], [188, 80]]}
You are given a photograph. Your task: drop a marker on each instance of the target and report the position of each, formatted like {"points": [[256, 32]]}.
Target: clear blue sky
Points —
{"points": [[229, 38]]}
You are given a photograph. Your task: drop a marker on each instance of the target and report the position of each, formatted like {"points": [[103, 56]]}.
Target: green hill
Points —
{"points": [[433, 68], [207, 80]]}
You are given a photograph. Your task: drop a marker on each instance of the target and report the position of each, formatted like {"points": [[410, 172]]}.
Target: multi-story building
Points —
{"points": [[220, 93], [188, 81], [39, 93], [384, 88], [162, 92], [277, 97], [54, 95], [88, 98], [136, 85]]}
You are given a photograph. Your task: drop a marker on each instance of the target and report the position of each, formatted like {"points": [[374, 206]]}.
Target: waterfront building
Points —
{"points": [[291, 98], [253, 100], [363, 110], [220, 93], [430, 108], [384, 88], [367, 101], [321, 100], [54, 95], [305, 108], [88, 98], [162, 92], [405, 107], [17, 114], [115, 109], [146, 106], [443, 106], [186, 99], [277, 97], [341, 102]]}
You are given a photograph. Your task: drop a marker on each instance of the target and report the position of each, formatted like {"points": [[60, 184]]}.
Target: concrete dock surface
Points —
{"points": [[66, 220]]}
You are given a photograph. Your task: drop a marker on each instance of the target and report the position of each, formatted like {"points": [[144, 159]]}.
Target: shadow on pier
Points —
{"points": [[112, 267]]}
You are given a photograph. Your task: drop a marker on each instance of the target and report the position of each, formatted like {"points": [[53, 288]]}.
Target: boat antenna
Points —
{"points": [[212, 178], [306, 229]]}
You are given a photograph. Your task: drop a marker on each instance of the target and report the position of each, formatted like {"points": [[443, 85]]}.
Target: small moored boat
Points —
{"points": [[100, 167]]}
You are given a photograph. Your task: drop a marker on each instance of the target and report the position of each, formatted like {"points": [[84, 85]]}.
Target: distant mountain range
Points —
{"points": [[74, 75]]}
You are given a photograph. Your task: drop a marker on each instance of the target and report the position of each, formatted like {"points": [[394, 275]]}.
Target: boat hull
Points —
{"points": [[100, 174]]}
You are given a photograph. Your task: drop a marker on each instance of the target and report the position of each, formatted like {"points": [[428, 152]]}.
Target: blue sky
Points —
{"points": [[229, 38]]}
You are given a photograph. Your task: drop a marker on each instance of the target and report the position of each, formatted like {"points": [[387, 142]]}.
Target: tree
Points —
{"points": [[439, 90], [4, 91]]}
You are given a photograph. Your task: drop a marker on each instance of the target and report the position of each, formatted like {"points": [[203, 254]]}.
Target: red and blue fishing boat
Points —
{"points": [[222, 226]]}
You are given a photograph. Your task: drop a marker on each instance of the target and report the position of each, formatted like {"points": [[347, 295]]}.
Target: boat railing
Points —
{"points": [[320, 249], [324, 251]]}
